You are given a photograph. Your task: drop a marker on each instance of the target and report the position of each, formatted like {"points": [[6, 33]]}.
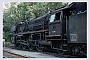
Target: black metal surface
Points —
{"points": [[79, 7], [78, 28], [55, 28]]}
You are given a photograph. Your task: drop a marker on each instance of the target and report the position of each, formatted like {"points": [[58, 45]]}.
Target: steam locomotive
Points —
{"points": [[63, 30]]}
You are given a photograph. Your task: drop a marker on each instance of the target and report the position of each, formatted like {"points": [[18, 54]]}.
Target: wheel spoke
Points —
{"points": [[76, 50], [31, 47], [23, 47], [39, 47]]}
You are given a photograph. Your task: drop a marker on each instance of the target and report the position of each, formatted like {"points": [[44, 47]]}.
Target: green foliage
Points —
{"points": [[23, 11], [8, 43]]}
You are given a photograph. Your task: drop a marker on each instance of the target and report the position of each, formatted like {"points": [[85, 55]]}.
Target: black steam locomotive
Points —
{"points": [[64, 30]]}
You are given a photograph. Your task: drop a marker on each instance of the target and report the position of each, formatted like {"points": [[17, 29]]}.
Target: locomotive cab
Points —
{"points": [[55, 24]]}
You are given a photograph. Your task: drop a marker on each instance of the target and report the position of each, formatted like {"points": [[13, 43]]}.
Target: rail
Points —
{"points": [[21, 56]]}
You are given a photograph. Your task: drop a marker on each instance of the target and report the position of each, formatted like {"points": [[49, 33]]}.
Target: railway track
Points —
{"points": [[60, 55], [11, 55]]}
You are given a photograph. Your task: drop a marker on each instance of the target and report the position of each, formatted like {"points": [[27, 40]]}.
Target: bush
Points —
{"points": [[8, 43]]}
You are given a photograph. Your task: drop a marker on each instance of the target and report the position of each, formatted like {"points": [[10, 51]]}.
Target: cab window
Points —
{"points": [[52, 18], [55, 17]]}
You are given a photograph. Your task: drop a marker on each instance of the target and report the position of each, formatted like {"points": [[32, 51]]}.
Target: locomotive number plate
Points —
{"points": [[73, 37]]}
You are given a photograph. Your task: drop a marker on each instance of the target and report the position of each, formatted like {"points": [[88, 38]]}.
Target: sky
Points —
{"points": [[4, 4]]}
